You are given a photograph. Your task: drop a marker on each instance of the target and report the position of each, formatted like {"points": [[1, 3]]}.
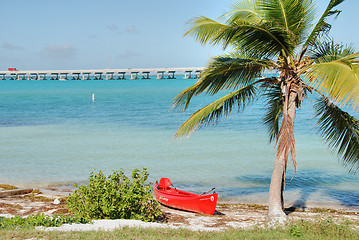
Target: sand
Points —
{"points": [[50, 201]]}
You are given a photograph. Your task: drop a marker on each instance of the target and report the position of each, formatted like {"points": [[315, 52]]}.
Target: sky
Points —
{"points": [[121, 34]]}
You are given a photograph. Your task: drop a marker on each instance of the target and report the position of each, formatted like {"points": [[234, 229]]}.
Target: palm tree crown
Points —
{"points": [[280, 36]]}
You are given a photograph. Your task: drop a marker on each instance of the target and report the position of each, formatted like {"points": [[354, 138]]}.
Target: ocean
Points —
{"points": [[51, 133]]}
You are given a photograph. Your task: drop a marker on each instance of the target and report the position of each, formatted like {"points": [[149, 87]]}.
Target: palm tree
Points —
{"points": [[279, 36]]}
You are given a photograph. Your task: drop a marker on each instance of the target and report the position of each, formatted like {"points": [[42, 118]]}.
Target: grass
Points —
{"points": [[318, 229]]}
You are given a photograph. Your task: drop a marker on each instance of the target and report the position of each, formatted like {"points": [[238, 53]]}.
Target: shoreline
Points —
{"points": [[228, 215], [291, 200]]}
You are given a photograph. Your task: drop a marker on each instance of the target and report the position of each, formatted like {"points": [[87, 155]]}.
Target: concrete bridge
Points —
{"points": [[102, 74]]}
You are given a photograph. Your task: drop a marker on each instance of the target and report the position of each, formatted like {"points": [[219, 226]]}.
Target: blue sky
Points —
{"points": [[94, 34]]}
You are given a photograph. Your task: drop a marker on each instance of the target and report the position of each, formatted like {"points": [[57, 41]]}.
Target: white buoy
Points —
{"points": [[93, 97]]}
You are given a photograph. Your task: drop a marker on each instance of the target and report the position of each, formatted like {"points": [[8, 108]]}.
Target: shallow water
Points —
{"points": [[52, 133]]}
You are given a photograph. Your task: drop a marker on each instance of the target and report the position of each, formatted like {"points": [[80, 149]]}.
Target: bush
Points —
{"points": [[115, 197]]}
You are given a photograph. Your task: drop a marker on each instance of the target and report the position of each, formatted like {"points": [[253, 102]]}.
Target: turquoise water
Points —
{"points": [[52, 133]]}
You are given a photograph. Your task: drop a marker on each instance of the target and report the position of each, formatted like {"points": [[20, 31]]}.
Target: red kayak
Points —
{"points": [[172, 197]]}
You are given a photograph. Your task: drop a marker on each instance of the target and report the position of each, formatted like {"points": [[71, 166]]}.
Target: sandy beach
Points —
{"points": [[51, 201]]}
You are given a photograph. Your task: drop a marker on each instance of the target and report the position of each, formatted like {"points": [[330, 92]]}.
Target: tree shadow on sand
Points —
{"points": [[307, 182]]}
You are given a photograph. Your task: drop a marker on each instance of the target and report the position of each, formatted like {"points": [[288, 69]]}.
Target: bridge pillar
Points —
{"points": [[145, 75], [86, 76], [21, 76], [34, 76], [187, 75], [109, 75], [43, 76], [76, 76], [54, 76], [197, 74], [121, 75], [134, 75], [13, 76], [160, 74], [171, 74], [98, 75], [63, 76]]}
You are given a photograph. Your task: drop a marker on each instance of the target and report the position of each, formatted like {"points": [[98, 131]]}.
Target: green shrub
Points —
{"points": [[115, 197], [38, 220]]}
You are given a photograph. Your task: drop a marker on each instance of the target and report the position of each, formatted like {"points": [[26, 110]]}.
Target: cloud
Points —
{"points": [[10, 46], [112, 27], [65, 51], [131, 29], [127, 54]]}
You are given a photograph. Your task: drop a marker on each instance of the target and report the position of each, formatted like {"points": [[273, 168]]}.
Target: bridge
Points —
{"points": [[101, 74]]}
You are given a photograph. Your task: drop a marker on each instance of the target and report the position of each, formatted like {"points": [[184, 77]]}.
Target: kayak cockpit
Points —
{"points": [[164, 186]]}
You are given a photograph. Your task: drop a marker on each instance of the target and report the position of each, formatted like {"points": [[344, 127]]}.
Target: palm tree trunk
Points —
{"points": [[276, 200], [276, 189]]}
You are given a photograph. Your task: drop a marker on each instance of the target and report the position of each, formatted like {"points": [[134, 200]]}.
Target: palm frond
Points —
{"points": [[340, 130], [245, 10], [265, 38], [262, 38], [182, 100], [322, 27], [274, 110], [295, 16], [329, 50], [205, 30], [213, 111], [338, 77], [231, 71]]}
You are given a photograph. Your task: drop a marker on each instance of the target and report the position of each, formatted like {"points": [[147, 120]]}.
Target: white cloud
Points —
{"points": [[65, 51], [112, 27], [131, 29], [10, 46]]}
